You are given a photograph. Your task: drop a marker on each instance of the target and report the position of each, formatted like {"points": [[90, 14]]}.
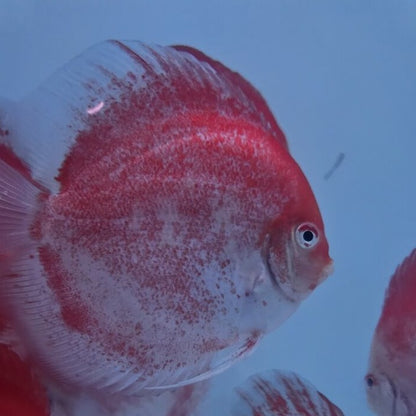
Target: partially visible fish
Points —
{"points": [[335, 166], [391, 379], [154, 224], [21, 392], [281, 393]]}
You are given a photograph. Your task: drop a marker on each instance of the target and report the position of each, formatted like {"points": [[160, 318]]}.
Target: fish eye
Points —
{"points": [[307, 235], [370, 380]]}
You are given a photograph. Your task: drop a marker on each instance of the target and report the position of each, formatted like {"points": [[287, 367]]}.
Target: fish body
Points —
{"points": [[281, 393], [155, 224], [391, 378]]}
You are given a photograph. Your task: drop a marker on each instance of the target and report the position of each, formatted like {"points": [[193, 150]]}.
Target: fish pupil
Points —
{"points": [[308, 236], [370, 381]]}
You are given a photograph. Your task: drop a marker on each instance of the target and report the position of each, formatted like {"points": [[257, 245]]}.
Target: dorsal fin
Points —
{"points": [[123, 88], [400, 307], [260, 112]]}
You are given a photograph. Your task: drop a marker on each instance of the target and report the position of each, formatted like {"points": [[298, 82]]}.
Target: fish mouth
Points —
{"points": [[326, 272]]}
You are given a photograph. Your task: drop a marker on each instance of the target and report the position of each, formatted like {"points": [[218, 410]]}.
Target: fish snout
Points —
{"points": [[328, 270]]}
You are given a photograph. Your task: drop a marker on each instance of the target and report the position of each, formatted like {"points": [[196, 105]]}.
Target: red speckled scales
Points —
{"points": [[279, 393], [144, 182], [151, 84]]}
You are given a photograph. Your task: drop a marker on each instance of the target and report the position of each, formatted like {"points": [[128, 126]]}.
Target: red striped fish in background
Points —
{"points": [[281, 393], [391, 378], [155, 224]]}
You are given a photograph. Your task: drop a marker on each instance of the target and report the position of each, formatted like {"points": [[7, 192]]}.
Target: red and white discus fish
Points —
{"points": [[391, 378], [154, 224], [281, 393]]}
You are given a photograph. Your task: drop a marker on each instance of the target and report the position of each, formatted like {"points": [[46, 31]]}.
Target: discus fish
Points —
{"points": [[281, 393], [391, 378], [154, 224], [21, 393]]}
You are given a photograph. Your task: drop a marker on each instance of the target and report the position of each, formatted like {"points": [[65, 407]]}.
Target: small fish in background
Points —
{"points": [[391, 378], [335, 166], [154, 224], [21, 392], [281, 393]]}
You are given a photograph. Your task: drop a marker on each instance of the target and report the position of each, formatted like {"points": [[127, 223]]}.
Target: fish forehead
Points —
{"points": [[397, 364], [393, 348], [396, 328]]}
